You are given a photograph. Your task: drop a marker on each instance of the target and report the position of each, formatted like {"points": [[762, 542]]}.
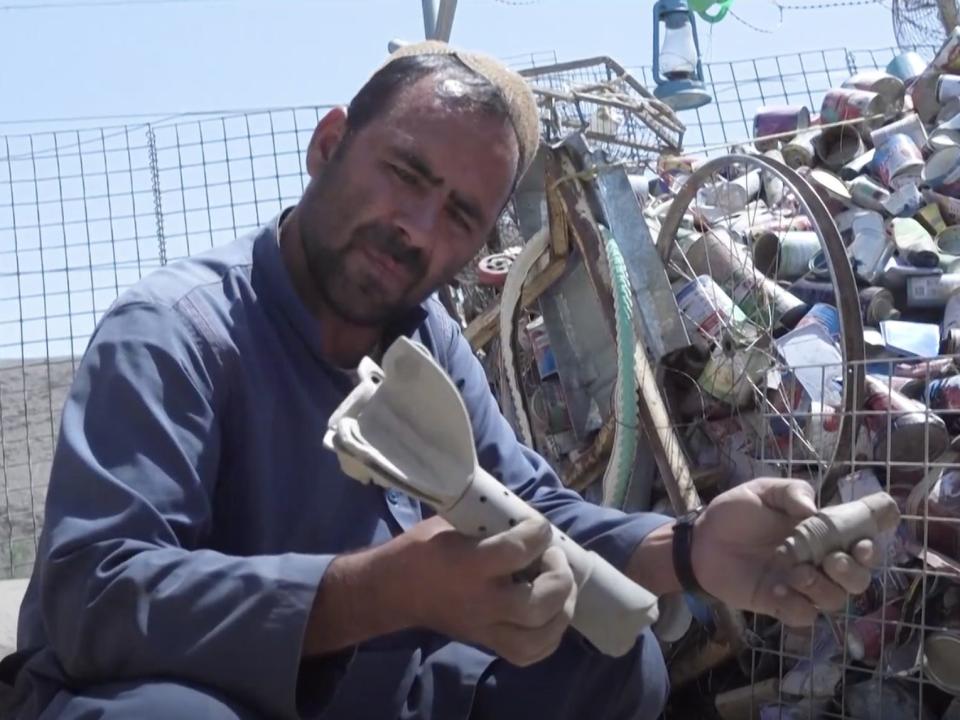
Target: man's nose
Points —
{"points": [[419, 218]]}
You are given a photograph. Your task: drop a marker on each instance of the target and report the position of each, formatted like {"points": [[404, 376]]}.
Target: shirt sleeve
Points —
{"points": [[127, 589], [611, 533]]}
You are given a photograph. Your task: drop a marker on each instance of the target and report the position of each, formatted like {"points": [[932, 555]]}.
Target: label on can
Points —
{"points": [[897, 156], [709, 311], [776, 120], [841, 104], [911, 126], [867, 193], [870, 250], [824, 315], [931, 290]]}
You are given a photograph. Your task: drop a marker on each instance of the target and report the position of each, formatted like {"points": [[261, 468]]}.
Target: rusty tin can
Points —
{"points": [[722, 256], [867, 635], [838, 146], [709, 312], [943, 395], [802, 149], [903, 430], [891, 88], [911, 126], [785, 255], [896, 159], [777, 120], [868, 193], [931, 291], [842, 104]]}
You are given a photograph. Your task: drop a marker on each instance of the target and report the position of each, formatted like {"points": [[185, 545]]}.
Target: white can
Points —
{"points": [[785, 256], [931, 291], [870, 249], [709, 312], [732, 196], [951, 314], [948, 87], [911, 126]]}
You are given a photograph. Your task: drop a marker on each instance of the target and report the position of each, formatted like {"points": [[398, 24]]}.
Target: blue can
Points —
{"points": [[907, 66], [824, 315]]}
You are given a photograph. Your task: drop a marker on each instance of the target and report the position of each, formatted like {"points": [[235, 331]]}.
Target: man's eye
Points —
{"points": [[459, 219], [405, 175]]}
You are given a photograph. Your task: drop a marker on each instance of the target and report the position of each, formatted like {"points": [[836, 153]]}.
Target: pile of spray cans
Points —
{"points": [[883, 152]]}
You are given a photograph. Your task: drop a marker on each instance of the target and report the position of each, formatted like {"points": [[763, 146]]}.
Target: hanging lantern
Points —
{"points": [[676, 56]]}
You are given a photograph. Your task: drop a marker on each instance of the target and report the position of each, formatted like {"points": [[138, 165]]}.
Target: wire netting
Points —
{"points": [[86, 213]]}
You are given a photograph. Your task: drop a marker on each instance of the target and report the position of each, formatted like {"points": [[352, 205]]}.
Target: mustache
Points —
{"points": [[391, 241]]}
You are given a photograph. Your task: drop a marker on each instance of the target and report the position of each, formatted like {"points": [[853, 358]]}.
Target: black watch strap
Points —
{"points": [[682, 552]]}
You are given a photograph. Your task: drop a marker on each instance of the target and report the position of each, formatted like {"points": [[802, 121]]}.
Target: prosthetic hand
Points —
{"points": [[405, 426]]}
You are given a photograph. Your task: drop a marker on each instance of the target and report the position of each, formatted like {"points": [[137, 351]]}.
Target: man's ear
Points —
{"points": [[326, 137]]}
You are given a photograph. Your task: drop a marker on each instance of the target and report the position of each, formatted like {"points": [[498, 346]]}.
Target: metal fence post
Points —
{"points": [[157, 200]]}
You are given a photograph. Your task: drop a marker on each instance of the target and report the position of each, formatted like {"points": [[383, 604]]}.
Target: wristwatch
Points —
{"points": [[682, 552]]}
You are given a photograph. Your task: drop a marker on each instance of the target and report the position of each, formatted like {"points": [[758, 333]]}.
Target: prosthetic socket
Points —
{"points": [[405, 426]]}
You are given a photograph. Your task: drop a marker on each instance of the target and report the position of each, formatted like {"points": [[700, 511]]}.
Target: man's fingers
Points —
{"points": [[515, 549], [846, 572], [791, 608], [525, 646], [552, 593], [820, 590], [864, 553], [793, 497]]}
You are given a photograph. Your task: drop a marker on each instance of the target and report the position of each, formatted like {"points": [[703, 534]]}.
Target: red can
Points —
{"points": [[936, 505], [841, 104], [943, 395], [776, 120], [867, 634], [912, 432]]}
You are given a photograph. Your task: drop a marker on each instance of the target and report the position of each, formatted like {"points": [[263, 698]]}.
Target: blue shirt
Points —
{"points": [[193, 510]]}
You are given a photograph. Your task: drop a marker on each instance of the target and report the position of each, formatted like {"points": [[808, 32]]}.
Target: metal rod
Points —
{"points": [[948, 14], [429, 18], [443, 23]]}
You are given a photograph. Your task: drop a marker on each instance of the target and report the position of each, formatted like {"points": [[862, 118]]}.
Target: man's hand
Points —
{"points": [[735, 554], [467, 589]]}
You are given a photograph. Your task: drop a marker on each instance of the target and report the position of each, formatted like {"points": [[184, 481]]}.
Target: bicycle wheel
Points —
{"points": [[769, 299]]}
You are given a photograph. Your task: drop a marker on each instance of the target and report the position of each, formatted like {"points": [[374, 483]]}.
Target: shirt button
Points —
{"points": [[393, 497]]}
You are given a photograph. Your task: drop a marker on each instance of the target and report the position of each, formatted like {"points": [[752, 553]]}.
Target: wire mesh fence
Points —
{"points": [[892, 652], [86, 213]]}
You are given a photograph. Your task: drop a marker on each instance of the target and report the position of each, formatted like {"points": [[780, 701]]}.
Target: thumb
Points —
{"points": [[793, 497], [517, 548]]}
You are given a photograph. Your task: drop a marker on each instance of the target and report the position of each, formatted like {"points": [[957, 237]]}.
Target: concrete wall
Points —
{"points": [[31, 399]]}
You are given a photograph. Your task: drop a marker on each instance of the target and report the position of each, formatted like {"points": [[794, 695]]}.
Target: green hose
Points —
{"points": [[703, 7], [616, 478]]}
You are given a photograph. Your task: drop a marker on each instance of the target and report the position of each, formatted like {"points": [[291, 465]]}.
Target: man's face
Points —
{"points": [[404, 203]]}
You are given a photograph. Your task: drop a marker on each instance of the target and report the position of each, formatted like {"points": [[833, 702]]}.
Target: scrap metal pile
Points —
{"points": [[828, 350], [796, 312]]}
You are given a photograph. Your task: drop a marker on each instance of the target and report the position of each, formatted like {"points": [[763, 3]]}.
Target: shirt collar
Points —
{"points": [[272, 280]]}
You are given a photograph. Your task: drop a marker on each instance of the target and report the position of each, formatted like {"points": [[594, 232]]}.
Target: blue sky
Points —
{"points": [[77, 207], [219, 54]]}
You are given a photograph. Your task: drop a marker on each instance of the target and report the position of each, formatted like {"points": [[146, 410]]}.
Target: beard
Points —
{"points": [[355, 288]]}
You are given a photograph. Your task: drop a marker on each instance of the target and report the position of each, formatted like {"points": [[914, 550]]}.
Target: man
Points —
{"points": [[204, 557]]}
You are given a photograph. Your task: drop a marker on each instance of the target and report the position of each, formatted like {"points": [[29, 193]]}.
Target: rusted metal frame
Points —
{"points": [[559, 226], [665, 115], [587, 468], [655, 417], [483, 328]]}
